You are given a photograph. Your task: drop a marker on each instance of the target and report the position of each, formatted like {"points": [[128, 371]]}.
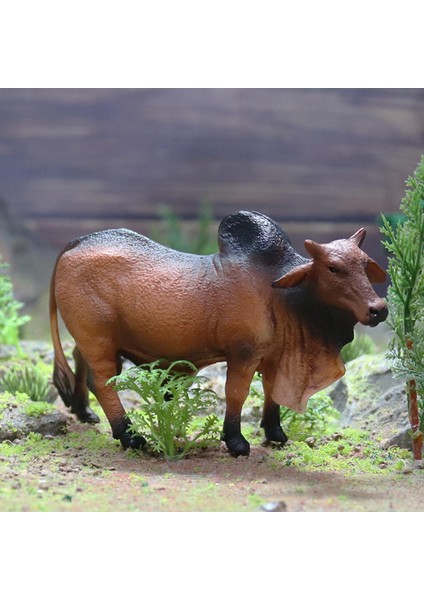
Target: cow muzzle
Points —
{"points": [[377, 313]]}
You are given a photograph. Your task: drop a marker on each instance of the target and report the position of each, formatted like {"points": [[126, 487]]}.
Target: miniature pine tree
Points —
{"points": [[405, 245]]}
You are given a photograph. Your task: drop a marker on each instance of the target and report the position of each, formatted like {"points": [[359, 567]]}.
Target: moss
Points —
{"points": [[351, 452], [37, 409]]}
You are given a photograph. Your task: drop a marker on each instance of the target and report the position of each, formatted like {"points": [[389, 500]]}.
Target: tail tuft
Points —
{"points": [[64, 380]]}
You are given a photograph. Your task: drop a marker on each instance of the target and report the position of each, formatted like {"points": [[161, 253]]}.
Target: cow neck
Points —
{"points": [[327, 324], [309, 341]]}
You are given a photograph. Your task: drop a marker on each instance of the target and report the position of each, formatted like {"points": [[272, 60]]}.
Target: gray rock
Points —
{"points": [[7, 351], [279, 506], [15, 423], [370, 398]]}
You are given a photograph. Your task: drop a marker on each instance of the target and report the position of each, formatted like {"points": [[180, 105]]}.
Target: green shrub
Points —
{"points": [[10, 319], [171, 402], [170, 232], [360, 345], [319, 414], [405, 246], [26, 380]]}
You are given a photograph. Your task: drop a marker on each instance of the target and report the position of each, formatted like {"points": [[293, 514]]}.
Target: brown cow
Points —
{"points": [[256, 304]]}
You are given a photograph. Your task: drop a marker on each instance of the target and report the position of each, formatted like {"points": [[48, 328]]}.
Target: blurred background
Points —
{"points": [[171, 163]]}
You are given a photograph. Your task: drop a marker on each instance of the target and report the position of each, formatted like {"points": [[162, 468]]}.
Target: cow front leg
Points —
{"points": [[236, 390], [271, 422], [271, 411]]}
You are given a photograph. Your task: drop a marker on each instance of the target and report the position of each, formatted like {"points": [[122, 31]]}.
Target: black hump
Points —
{"points": [[255, 236]]}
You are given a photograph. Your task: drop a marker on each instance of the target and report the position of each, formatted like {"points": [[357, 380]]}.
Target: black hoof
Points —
{"points": [[128, 440], [87, 416], [238, 446], [276, 434], [132, 441]]}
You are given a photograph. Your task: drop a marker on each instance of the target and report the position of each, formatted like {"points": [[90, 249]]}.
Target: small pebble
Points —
{"points": [[280, 506], [310, 441]]}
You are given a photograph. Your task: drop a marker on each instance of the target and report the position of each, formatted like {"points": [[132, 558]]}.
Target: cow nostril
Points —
{"points": [[378, 313]]}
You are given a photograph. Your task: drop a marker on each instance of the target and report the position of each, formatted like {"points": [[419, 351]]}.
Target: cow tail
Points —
{"points": [[63, 377]]}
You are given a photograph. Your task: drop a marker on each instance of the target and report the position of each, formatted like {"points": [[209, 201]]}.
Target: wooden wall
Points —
{"points": [[321, 161]]}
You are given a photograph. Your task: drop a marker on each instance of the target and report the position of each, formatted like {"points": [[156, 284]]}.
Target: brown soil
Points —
{"points": [[80, 478]]}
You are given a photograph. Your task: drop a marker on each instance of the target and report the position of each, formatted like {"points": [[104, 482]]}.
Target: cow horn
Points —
{"points": [[358, 237], [314, 249]]}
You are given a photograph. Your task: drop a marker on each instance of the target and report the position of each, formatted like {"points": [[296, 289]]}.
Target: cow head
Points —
{"points": [[341, 274]]}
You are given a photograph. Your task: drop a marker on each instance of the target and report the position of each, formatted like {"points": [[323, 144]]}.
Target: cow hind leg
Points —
{"points": [[101, 370], [80, 405]]}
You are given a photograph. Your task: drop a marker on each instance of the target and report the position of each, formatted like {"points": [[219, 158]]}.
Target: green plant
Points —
{"points": [[171, 232], [171, 400], [27, 380], [39, 408], [318, 415], [405, 245], [360, 345], [10, 319]]}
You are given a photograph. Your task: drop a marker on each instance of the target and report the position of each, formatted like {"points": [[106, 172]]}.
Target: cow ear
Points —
{"points": [[314, 249], [293, 277], [358, 237], [374, 272]]}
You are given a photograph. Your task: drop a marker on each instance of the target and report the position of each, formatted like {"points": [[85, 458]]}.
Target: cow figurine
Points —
{"points": [[256, 304]]}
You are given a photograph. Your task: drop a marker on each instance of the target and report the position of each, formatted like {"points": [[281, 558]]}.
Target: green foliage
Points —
{"points": [[39, 408], [171, 233], [171, 401], [350, 451], [10, 319], [319, 414], [27, 380], [405, 245], [394, 219], [360, 345]]}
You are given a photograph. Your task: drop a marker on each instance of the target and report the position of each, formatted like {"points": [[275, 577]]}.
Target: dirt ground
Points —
{"points": [[86, 470]]}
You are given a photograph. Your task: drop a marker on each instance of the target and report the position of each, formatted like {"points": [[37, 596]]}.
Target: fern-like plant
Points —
{"points": [[405, 245], [170, 402]]}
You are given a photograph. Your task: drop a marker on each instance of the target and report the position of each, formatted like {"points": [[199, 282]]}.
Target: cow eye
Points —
{"points": [[333, 269]]}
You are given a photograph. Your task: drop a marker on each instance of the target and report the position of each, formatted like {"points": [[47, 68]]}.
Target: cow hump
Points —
{"points": [[254, 236]]}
